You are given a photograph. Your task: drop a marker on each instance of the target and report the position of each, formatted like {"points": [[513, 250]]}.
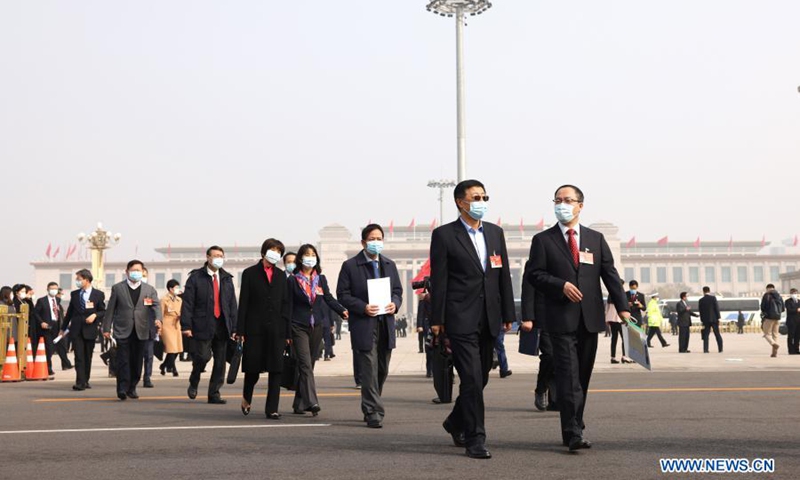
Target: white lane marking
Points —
{"points": [[150, 429]]}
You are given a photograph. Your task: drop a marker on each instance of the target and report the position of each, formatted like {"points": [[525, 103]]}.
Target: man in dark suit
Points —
{"points": [[372, 325], [545, 394], [636, 303], [46, 320], [685, 315], [209, 317], [566, 264], [423, 328], [792, 322], [472, 299], [133, 310], [710, 317], [84, 316]]}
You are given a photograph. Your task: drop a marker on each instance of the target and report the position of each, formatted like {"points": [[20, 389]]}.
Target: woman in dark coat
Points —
{"points": [[264, 325], [308, 289]]}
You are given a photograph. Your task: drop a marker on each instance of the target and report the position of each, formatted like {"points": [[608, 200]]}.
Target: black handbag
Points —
{"points": [[235, 361], [289, 372], [158, 350]]}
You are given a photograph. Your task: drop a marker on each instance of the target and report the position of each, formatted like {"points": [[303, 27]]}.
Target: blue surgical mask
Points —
{"points": [[135, 276], [218, 262], [478, 209], [633, 291], [78, 284], [564, 213], [290, 267], [375, 247], [310, 262]]}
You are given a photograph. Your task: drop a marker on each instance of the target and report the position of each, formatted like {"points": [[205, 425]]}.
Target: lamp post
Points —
{"points": [[98, 241], [459, 9], [441, 185]]}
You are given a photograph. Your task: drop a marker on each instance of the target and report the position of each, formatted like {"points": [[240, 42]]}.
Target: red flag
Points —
{"points": [[696, 243], [425, 271], [540, 225], [662, 242], [521, 226], [391, 227], [413, 223], [49, 248], [71, 251], [55, 254], [500, 221], [763, 241], [632, 242], [433, 224]]}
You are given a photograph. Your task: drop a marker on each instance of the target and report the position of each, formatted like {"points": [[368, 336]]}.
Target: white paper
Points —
{"points": [[379, 291], [58, 338]]}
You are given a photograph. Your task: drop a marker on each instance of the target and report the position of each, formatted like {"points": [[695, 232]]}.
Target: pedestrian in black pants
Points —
{"points": [[423, 328], [685, 315], [710, 317], [209, 316], [793, 322]]}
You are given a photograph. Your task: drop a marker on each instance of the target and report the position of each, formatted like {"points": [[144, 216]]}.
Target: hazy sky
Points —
{"points": [[190, 122]]}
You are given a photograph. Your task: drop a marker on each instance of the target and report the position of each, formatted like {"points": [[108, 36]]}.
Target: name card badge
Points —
{"points": [[148, 302], [587, 258], [496, 261], [89, 305]]}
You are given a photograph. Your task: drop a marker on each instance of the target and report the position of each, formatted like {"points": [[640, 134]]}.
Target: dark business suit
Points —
{"points": [[685, 315], [793, 326], [709, 315], [545, 380], [44, 312], [84, 334], [210, 333], [636, 310], [373, 337], [471, 300], [573, 327]]}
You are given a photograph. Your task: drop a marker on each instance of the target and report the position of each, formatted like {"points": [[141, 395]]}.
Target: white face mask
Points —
{"points": [[218, 262], [272, 256], [310, 262], [564, 213], [176, 291], [52, 292], [144, 279], [22, 294], [794, 297]]}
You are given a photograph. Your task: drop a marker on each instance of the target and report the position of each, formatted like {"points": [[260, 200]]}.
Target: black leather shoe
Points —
{"points": [[375, 423], [579, 443], [540, 401], [68, 367], [298, 412], [78, 388], [504, 375], [479, 452], [665, 345], [314, 409], [87, 385], [147, 383], [458, 437], [122, 395], [217, 401], [192, 392], [274, 416], [132, 394], [163, 369]]}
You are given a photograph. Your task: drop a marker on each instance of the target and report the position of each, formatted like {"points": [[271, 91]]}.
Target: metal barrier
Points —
{"points": [[7, 321]]}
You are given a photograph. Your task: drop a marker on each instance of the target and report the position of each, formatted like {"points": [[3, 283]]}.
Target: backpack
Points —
{"points": [[774, 308]]}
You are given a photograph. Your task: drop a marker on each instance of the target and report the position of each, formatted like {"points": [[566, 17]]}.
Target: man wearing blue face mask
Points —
{"points": [[566, 264], [372, 327], [471, 301], [133, 310]]}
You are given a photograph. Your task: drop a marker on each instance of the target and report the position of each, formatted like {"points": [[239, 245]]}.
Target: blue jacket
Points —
{"points": [[352, 292]]}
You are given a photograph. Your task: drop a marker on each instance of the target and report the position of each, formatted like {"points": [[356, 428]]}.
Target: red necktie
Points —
{"points": [[217, 310], [573, 247], [55, 309]]}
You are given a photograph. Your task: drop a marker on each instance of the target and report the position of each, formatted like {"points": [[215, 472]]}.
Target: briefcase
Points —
{"points": [[442, 367], [235, 361], [529, 342], [158, 350], [289, 372]]}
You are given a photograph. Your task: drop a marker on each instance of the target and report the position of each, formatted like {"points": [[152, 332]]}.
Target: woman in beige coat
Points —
{"points": [[171, 327]]}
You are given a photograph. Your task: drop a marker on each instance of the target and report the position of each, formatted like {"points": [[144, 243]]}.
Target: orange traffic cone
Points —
{"points": [[40, 364], [10, 368], [29, 364]]}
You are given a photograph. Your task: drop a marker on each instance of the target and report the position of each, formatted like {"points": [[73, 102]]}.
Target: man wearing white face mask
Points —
{"points": [[47, 315], [208, 316], [372, 327], [567, 263], [793, 322]]}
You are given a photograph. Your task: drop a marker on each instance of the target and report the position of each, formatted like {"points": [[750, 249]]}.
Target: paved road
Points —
{"points": [[633, 419]]}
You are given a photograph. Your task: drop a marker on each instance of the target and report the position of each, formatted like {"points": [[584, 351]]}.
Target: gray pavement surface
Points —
{"points": [[634, 418]]}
